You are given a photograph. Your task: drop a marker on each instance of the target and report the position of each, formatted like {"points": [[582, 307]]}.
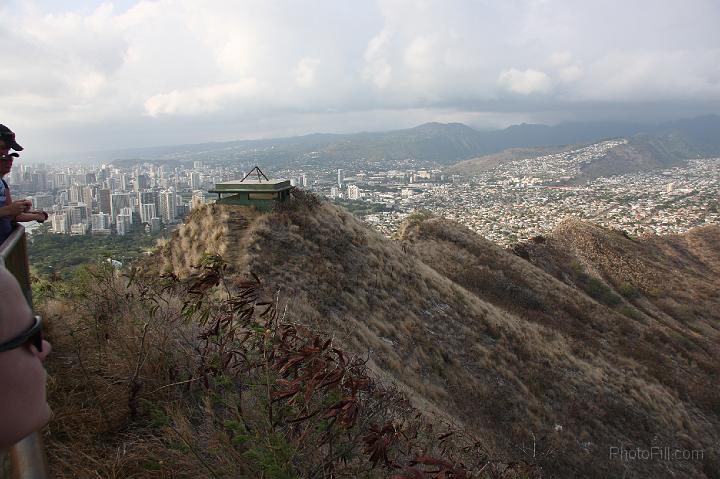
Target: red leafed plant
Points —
{"points": [[321, 404]]}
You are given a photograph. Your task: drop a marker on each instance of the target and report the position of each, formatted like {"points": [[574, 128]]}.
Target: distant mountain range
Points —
{"points": [[642, 152], [439, 144]]}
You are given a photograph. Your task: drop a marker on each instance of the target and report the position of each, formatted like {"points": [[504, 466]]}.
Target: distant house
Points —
{"points": [[259, 192]]}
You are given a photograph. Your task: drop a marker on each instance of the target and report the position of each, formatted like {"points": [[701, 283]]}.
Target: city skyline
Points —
{"points": [[510, 202]]}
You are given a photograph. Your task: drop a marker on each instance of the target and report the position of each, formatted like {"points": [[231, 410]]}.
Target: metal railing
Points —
{"points": [[13, 254], [27, 455]]}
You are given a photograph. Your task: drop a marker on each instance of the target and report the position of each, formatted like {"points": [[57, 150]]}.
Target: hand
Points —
{"points": [[19, 206], [40, 216]]}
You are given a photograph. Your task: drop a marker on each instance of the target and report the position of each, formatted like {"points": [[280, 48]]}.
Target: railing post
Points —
{"points": [[28, 458], [13, 254], [27, 455]]}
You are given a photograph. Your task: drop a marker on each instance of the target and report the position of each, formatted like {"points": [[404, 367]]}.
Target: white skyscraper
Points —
{"points": [[353, 192], [341, 176], [86, 195], [75, 194], [60, 223], [125, 182], [167, 206], [147, 212]]}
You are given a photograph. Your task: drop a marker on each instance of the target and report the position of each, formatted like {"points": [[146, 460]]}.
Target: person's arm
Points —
{"points": [[39, 216]]}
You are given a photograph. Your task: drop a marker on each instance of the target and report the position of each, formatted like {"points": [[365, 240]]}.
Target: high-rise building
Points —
{"points": [[103, 197], [60, 223], [118, 201], [112, 184], [75, 194], [168, 206], [86, 195], [39, 180], [149, 197], [15, 176], [134, 213], [194, 180], [353, 192], [147, 212], [100, 223], [142, 182], [43, 202], [122, 224], [341, 177], [181, 209], [76, 213], [79, 229], [303, 180], [125, 182]]}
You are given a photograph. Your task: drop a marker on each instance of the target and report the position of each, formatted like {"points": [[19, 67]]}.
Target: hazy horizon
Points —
{"points": [[96, 76]]}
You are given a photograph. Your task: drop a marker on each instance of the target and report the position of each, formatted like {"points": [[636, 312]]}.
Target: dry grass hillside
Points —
{"points": [[475, 166], [667, 284], [542, 362]]}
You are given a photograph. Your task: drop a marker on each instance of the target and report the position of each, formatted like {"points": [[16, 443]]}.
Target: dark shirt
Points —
{"points": [[6, 226]]}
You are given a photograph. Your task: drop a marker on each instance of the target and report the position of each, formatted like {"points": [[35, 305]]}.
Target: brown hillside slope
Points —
{"points": [[544, 387], [673, 279], [481, 164]]}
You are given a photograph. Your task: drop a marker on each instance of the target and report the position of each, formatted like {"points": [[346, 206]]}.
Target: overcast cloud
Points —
{"points": [[89, 75]]}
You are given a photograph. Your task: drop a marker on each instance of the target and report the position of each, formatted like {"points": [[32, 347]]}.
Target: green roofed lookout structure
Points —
{"points": [[259, 192]]}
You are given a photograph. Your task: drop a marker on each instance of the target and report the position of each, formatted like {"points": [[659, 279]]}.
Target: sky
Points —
{"points": [[82, 75]]}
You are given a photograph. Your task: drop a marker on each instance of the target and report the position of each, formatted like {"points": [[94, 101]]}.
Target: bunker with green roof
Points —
{"points": [[260, 192]]}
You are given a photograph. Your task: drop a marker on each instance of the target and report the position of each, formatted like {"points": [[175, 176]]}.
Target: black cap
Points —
{"points": [[9, 138]]}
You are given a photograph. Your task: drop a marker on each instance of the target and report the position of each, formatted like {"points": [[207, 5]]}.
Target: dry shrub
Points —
{"points": [[202, 377], [299, 201]]}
